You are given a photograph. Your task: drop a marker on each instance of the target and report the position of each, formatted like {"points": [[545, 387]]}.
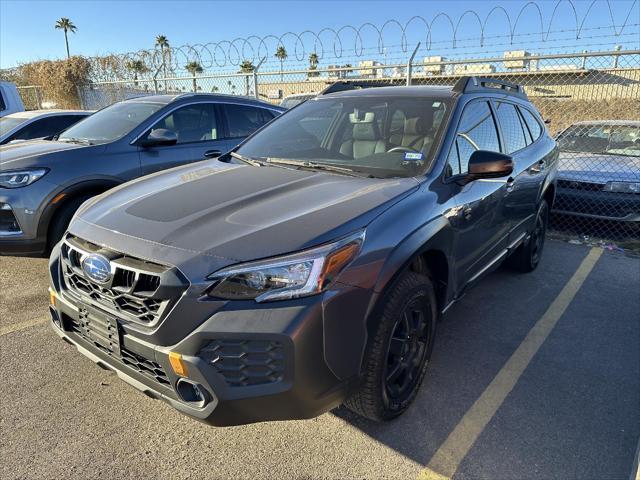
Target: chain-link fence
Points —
{"points": [[590, 101], [31, 97]]}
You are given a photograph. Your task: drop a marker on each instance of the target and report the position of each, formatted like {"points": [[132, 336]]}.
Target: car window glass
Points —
{"points": [[477, 131], [8, 123], [112, 122], [354, 132], [243, 120], [32, 130], [511, 127], [532, 123], [192, 123]]}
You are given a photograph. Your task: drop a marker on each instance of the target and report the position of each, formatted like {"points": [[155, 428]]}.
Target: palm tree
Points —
{"points": [[313, 64], [193, 68], [246, 67], [137, 67], [281, 54], [68, 26], [163, 43]]}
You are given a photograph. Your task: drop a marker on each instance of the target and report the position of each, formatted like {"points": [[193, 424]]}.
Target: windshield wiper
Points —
{"points": [[81, 141], [247, 160], [315, 166]]}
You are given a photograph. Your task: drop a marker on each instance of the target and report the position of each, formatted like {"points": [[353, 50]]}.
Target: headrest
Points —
{"points": [[361, 117], [415, 126], [365, 131]]}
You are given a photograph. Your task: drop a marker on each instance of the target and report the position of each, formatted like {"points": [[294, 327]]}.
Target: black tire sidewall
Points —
{"points": [[60, 220]]}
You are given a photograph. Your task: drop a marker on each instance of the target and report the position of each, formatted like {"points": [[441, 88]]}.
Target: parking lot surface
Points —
{"points": [[532, 376]]}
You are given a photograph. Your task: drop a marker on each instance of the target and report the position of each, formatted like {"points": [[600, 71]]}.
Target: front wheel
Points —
{"points": [[527, 257], [398, 355]]}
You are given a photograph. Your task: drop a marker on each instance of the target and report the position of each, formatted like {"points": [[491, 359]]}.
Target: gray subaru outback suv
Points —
{"points": [[308, 267], [42, 183]]}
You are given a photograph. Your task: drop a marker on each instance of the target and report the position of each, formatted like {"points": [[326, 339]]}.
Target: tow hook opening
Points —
{"points": [[192, 393]]}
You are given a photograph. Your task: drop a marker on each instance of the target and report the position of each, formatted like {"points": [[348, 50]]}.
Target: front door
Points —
{"points": [[480, 224], [199, 137]]}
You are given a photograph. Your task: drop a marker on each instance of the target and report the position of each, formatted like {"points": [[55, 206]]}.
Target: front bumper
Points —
{"points": [[598, 205], [253, 362]]}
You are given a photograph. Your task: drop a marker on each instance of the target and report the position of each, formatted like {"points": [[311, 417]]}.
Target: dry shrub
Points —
{"points": [[562, 113], [58, 79]]}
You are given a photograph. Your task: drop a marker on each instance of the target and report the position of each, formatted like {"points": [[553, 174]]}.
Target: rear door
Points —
{"points": [[242, 120], [198, 129], [480, 224]]}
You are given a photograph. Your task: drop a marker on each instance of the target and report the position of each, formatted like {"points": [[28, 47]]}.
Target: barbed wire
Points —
{"points": [[231, 53]]}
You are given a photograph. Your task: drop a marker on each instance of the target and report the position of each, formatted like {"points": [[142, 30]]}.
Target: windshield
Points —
{"points": [[374, 135], [110, 123], [607, 139], [9, 123]]}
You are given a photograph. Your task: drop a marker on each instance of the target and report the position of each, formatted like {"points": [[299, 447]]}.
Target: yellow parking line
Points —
{"points": [[451, 453], [21, 326]]}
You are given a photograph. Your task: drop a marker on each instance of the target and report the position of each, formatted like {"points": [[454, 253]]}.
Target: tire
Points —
{"points": [[410, 306], [527, 257], [61, 219]]}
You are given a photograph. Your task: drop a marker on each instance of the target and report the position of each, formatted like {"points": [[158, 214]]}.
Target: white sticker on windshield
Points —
{"points": [[413, 156]]}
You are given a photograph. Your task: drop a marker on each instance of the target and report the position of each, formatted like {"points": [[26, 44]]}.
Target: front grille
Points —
{"points": [[138, 290], [142, 365], [246, 362]]}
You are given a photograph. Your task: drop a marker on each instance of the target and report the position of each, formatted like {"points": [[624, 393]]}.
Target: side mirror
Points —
{"points": [[159, 137], [485, 164]]}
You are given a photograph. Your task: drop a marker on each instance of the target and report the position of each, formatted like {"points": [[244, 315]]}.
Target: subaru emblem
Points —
{"points": [[97, 268]]}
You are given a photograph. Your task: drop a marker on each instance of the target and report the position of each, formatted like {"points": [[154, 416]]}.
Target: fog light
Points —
{"points": [[55, 318], [177, 364]]}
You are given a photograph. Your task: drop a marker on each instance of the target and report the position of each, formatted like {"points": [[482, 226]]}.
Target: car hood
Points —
{"points": [[30, 153], [598, 168], [214, 214]]}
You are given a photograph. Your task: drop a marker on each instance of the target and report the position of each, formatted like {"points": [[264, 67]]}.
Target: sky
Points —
{"points": [[27, 27]]}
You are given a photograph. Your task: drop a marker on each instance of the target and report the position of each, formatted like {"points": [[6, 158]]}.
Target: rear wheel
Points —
{"points": [[61, 219], [527, 257], [398, 355]]}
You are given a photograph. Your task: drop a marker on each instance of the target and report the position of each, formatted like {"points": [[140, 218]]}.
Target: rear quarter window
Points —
{"points": [[534, 126]]}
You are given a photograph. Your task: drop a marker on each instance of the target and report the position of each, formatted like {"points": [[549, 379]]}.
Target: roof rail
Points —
{"points": [[488, 84], [344, 85]]}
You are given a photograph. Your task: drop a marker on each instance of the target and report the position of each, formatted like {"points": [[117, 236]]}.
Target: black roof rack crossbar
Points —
{"points": [[482, 84], [344, 85]]}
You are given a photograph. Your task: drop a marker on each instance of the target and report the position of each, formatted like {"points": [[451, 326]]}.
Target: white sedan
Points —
{"points": [[38, 124]]}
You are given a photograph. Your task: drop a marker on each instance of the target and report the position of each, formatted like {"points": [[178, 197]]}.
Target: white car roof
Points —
{"points": [[45, 113]]}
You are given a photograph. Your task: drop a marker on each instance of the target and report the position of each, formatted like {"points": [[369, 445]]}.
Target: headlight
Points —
{"points": [[21, 178], [622, 187], [291, 276]]}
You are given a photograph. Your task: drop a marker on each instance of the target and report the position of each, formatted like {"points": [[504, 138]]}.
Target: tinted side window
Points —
{"points": [[31, 130], [511, 127], [532, 123], [192, 123], [477, 131], [243, 120], [3, 106]]}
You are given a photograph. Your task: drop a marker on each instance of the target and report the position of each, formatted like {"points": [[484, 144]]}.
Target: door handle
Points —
{"points": [[538, 167], [510, 184], [466, 212], [212, 153]]}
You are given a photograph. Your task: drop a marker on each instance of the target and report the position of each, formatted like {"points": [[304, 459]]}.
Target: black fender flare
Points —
{"points": [[95, 185]]}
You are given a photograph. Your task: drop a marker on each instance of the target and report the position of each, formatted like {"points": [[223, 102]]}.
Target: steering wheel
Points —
{"points": [[402, 149]]}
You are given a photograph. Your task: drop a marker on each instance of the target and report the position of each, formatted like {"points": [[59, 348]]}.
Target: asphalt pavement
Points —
{"points": [[532, 376]]}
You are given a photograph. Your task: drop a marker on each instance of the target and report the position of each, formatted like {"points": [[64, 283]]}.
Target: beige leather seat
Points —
{"points": [[365, 141], [416, 132]]}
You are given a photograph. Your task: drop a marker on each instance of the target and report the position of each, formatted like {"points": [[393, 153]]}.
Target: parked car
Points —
{"points": [[42, 183], [10, 101], [599, 171], [305, 270], [36, 124], [291, 101]]}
